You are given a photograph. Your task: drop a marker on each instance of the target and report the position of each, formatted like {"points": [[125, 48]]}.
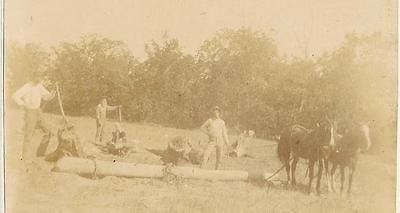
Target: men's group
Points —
{"points": [[30, 97]]}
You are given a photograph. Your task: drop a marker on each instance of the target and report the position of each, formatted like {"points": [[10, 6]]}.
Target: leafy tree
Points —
{"points": [[165, 84], [92, 68], [237, 67], [360, 83], [239, 70], [21, 61]]}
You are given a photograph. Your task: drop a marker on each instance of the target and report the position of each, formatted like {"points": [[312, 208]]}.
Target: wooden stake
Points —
{"points": [[120, 116], [60, 103]]}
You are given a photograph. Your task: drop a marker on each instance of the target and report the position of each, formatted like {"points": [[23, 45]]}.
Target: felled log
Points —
{"points": [[88, 167]]}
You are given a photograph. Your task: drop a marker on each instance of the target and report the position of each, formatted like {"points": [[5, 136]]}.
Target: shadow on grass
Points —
{"points": [[158, 152], [277, 185], [91, 176], [300, 187]]}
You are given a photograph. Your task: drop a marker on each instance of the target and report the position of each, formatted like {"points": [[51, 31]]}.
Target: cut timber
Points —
{"points": [[123, 169]]}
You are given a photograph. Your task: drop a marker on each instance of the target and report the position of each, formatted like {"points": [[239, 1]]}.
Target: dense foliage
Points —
{"points": [[239, 70]]}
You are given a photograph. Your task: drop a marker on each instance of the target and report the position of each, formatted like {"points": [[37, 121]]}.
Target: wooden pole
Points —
{"points": [[123, 169], [60, 103], [119, 112]]}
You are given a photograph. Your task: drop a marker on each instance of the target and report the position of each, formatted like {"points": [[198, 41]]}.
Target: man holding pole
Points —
{"points": [[101, 117], [217, 136], [29, 97]]}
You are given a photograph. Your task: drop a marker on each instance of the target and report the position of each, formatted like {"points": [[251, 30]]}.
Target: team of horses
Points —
{"points": [[323, 145]]}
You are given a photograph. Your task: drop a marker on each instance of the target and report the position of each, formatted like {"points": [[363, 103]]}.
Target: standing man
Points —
{"points": [[217, 136], [101, 118], [29, 97]]}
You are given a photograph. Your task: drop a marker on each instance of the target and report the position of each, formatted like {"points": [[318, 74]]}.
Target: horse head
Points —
{"points": [[365, 136], [356, 137], [331, 131]]}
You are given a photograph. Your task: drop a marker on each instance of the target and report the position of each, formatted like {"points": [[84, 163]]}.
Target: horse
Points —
{"points": [[345, 154], [312, 145]]}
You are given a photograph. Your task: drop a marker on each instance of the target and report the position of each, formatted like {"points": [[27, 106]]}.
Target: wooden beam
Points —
{"points": [[60, 103], [124, 169]]}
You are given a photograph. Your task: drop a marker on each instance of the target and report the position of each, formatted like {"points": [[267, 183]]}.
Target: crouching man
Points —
{"points": [[119, 142], [240, 148], [68, 144]]}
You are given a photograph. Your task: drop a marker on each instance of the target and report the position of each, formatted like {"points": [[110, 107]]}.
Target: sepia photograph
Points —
{"points": [[212, 106]]}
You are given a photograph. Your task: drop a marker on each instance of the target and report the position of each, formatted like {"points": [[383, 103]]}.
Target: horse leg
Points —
{"points": [[352, 170], [287, 166], [350, 181], [341, 178], [331, 177], [326, 165], [294, 165], [320, 169], [310, 174]]}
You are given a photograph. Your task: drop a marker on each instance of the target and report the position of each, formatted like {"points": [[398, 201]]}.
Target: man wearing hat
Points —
{"points": [[217, 136], [101, 118], [30, 96]]}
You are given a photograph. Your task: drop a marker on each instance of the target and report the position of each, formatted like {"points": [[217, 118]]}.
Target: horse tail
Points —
{"points": [[284, 147]]}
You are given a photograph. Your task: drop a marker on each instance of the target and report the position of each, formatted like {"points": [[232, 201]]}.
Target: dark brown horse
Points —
{"points": [[346, 153], [314, 145]]}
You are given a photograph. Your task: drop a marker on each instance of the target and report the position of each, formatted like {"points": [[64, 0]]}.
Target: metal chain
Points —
{"points": [[278, 170]]}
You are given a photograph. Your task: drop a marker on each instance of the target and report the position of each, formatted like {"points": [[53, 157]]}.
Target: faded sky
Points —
{"points": [[321, 24]]}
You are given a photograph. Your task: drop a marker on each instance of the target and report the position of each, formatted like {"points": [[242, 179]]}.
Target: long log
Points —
{"points": [[123, 169]]}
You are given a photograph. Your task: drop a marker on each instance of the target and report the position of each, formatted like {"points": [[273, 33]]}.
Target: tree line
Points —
{"points": [[239, 70]]}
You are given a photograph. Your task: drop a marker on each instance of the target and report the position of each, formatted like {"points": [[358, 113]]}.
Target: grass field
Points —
{"points": [[40, 190]]}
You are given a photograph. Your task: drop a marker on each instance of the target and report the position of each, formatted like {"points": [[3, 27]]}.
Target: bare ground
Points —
{"points": [[40, 190]]}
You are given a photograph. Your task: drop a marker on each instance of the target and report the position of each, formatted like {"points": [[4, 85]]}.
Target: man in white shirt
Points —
{"points": [[217, 134], [29, 96], [101, 118]]}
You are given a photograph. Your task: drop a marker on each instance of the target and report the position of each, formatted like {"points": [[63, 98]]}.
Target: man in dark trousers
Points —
{"points": [[30, 96]]}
